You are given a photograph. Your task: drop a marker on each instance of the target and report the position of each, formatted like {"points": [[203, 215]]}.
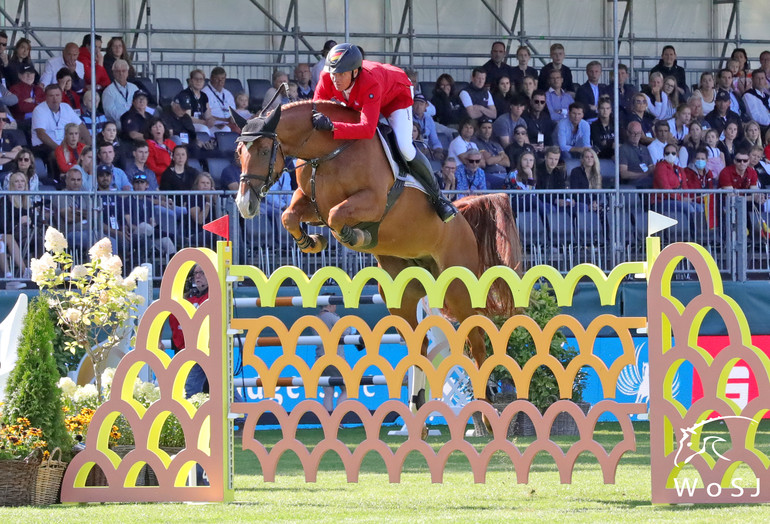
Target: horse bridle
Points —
{"points": [[271, 177]]}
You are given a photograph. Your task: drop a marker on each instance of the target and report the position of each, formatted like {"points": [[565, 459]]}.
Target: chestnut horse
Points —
{"points": [[344, 184]]}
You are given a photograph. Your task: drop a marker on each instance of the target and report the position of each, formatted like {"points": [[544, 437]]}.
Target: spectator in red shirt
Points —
{"points": [[161, 146], [739, 175], [68, 152], [84, 57], [197, 381], [28, 92]]}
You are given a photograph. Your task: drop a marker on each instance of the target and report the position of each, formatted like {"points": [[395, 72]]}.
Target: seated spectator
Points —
{"points": [[220, 99], [696, 111], [303, 76], [524, 177], [496, 162], [119, 95], [68, 152], [716, 158], [133, 121], [200, 111], [418, 141], [141, 224], [519, 145], [670, 88], [161, 147], [9, 146], [707, 91], [86, 166], [692, 142], [74, 212], [657, 100], [557, 99], [729, 143], [586, 176], [30, 94], [668, 174], [550, 175], [741, 70], [116, 50], [463, 142], [725, 83], [505, 124], [764, 62], [752, 135], [603, 130], [428, 133], [201, 212], [557, 64], [522, 69], [242, 106], [573, 134], [698, 174], [49, 120], [449, 109], [496, 67], [88, 115], [624, 91], [668, 67], [179, 176], [230, 177], [68, 59], [24, 162], [761, 165], [721, 115], [539, 124], [141, 152], [739, 175], [635, 162], [109, 135], [84, 57], [470, 176], [23, 221], [18, 61], [446, 177], [178, 121], [640, 115], [589, 93], [757, 100], [502, 95], [662, 137], [106, 156], [476, 98], [113, 214], [679, 125], [271, 101], [529, 86]]}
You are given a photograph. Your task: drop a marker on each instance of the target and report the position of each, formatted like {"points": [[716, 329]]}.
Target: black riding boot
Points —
{"points": [[421, 170]]}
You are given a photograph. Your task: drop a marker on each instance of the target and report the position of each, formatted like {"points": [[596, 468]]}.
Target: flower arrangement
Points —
{"points": [[77, 425], [19, 440], [94, 304]]}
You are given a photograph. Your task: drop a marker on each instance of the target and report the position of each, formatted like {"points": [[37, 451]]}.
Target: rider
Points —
{"points": [[375, 88]]}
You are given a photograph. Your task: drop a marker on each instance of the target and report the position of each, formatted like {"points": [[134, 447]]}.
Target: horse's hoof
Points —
{"points": [[318, 243]]}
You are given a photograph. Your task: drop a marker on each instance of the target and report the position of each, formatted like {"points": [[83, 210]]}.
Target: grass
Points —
{"points": [[416, 499]]}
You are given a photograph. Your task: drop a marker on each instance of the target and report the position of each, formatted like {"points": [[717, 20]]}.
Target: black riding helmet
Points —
{"points": [[343, 58]]}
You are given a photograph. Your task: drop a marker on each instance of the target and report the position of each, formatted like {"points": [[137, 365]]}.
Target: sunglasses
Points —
{"points": [[471, 161], [520, 133], [24, 159], [741, 160], [538, 102]]}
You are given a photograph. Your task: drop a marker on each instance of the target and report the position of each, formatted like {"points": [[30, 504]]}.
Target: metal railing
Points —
{"points": [[557, 228]]}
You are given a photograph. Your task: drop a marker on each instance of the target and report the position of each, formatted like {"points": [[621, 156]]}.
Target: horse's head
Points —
{"points": [[260, 165]]}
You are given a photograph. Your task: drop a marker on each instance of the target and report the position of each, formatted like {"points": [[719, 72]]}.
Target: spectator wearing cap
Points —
{"points": [[722, 115], [220, 99], [48, 122], [135, 119], [200, 110], [503, 127], [573, 134], [496, 161], [469, 175], [9, 145], [28, 93], [106, 159], [427, 127], [117, 97], [318, 68], [179, 123]]}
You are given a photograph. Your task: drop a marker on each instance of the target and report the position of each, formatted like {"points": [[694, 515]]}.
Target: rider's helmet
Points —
{"points": [[343, 58]]}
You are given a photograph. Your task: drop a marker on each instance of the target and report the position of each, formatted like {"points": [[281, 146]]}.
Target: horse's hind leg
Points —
{"points": [[301, 210]]}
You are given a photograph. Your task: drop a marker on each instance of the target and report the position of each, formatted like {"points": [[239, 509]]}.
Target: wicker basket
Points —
{"points": [[48, 483], [17, 481], [152, 480], [124, 450], [563, 424]]}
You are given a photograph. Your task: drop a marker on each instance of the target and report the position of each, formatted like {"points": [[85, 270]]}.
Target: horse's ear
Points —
{"points": [[272, 121], [238, 119]]}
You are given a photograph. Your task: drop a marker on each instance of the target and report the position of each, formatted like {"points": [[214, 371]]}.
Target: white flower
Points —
{"points": [[107, 377], [129, 282], [54, 240], [104, 297], [78, 271], [72, 315], [101, 249], [113, 264], [41, 266], [85, 393], [67, 386], [140, 274], [149, 393]]}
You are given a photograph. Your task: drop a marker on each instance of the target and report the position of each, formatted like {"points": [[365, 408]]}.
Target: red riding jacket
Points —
{"points": [[378, 89]]}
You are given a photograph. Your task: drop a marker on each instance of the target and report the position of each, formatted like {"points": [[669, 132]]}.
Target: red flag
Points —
{"points": [[220, 226]]}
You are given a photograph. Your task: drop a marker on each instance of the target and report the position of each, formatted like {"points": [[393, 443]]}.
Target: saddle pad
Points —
{"points": [[410, 180]]}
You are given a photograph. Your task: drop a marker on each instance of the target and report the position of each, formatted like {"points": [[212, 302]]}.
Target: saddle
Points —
{"points": [[392, 150]]}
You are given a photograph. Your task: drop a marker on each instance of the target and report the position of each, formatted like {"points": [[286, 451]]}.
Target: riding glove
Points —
{"points": [[322, 122]]}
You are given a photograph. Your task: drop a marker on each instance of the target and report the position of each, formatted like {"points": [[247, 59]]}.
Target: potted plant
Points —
{"points": [[543, 389], [21, 451]]}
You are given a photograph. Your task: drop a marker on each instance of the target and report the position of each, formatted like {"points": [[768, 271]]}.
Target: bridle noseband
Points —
{"points": [[271, 177]]}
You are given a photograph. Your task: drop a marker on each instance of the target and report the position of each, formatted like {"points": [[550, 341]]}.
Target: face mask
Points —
{"points": [[671, 158], [700, 164]]}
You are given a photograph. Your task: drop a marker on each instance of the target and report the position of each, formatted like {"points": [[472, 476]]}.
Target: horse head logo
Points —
{"points": [[685, 441]]}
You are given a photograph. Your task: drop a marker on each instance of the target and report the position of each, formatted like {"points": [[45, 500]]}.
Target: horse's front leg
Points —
{"points": [[301, 210], [364, 206]]}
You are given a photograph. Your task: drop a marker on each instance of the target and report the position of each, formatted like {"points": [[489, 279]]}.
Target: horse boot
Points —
{"points": [[421, 170]]}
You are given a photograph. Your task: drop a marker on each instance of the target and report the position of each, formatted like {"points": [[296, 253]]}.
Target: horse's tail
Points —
{"points": [[491, 218]]}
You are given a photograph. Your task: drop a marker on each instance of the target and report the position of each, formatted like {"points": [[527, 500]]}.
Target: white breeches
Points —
{"points": [[401, 122]]}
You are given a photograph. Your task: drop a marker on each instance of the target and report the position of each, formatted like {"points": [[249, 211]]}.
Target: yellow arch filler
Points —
{"points": [[478, 287]]}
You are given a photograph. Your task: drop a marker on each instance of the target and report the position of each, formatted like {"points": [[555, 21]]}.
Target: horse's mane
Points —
{"points": [[339, 111]]}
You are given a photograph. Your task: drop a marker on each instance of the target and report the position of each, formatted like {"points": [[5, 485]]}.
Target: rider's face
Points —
{"points": [[342, 81]]}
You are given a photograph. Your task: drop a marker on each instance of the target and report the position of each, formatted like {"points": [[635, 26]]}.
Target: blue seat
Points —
{"points": [[258, 88], [167, 90], [532, 230], [234, 85]]}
